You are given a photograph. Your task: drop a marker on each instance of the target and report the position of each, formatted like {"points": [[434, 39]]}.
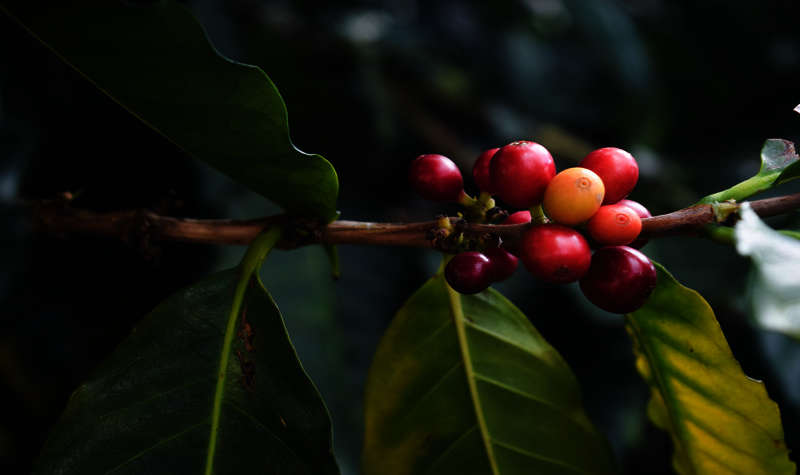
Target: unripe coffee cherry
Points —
{"points": [[618, 170], [619, 280], [555, 253], [480, 171], [436, 177], [469, 272], [614, 225], [520, 217], [573, 196], [503, 263], [520, 172], [643, 213]]}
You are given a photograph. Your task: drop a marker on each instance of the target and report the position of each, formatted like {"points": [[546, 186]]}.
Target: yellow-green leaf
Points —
{"points": [[720, 420]]}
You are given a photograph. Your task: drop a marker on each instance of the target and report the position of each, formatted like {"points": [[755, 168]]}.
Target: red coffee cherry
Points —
{"points": [[619, 280], [436, 178], [618, 170], [480, 171], [555, 253], [573, 196], [469, 272], [520, 172], [614, 225], [503, 263], [520, 217], [643, 213]]}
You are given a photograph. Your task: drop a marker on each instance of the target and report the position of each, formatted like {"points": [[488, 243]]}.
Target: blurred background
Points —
{"points": [[692, 89]]}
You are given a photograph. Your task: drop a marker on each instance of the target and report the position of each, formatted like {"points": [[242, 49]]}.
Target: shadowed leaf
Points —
{"points": [[156, 61], [213, 361]]}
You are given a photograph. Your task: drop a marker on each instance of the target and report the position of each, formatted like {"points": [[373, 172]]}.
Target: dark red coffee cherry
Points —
{"points": [[555, 253], [503, 263], [480, 171], [520, 173], [643, 213], [618, 170], [469, 272], [520, 217], [436, 178], [619, 280]]}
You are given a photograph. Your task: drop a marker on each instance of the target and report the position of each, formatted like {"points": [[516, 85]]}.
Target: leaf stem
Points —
{"points": [[742, 190], [252, 260]]}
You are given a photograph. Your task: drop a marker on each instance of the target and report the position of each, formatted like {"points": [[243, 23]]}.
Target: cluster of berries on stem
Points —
{"points": [[572, 213]]}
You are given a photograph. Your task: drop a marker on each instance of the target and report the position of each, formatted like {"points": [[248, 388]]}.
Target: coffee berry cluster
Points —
{"points": [[582, 227]]}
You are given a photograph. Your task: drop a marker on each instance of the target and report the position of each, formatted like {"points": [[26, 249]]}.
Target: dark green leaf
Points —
{"points": [[720, 420], [156, 61], [191, 372], [779, 164], [464, 384]]}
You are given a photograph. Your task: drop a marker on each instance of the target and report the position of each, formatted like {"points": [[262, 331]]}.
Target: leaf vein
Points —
{"points": [[162, 441], [434, 387], [450, 447], [531, 397], [536, 456]]}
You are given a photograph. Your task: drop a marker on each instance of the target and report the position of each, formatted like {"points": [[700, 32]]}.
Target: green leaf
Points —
{"points": [[157, 62], [779, 164], [464, 384], [720, 420], [209, 382], [775, 286]]}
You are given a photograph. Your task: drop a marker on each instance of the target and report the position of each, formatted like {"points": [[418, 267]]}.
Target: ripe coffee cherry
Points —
{"points": [[469, 272], [555, 253], [619, 280], [617, 168], [615, 225], [573, 196], [520, 172], [436, 178], [480, 171], [503, 263], [643, 213], [520, 217]]}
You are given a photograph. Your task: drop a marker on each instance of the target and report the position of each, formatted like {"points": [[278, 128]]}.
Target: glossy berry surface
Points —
{"points": [[555, 253], [619, 280], [480, 171], [614, 225], [436, 177], [643, 213], [503, 263], [618, 170], [520, 217], [520, 172], [469, 272], [573, 196]]}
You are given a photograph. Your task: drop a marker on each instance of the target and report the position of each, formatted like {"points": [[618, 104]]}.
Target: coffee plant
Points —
{"points": [[462, 382]]}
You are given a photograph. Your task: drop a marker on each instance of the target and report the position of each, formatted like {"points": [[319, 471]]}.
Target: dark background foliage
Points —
{"points": [[691, 88]]}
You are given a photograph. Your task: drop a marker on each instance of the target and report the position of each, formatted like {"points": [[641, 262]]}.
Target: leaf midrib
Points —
{"points": [[458, 319], [250, 264], [659, 377]]}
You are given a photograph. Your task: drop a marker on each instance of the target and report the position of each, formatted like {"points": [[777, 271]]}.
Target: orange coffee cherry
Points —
{"points": [[573, 196], [615, 225]]}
